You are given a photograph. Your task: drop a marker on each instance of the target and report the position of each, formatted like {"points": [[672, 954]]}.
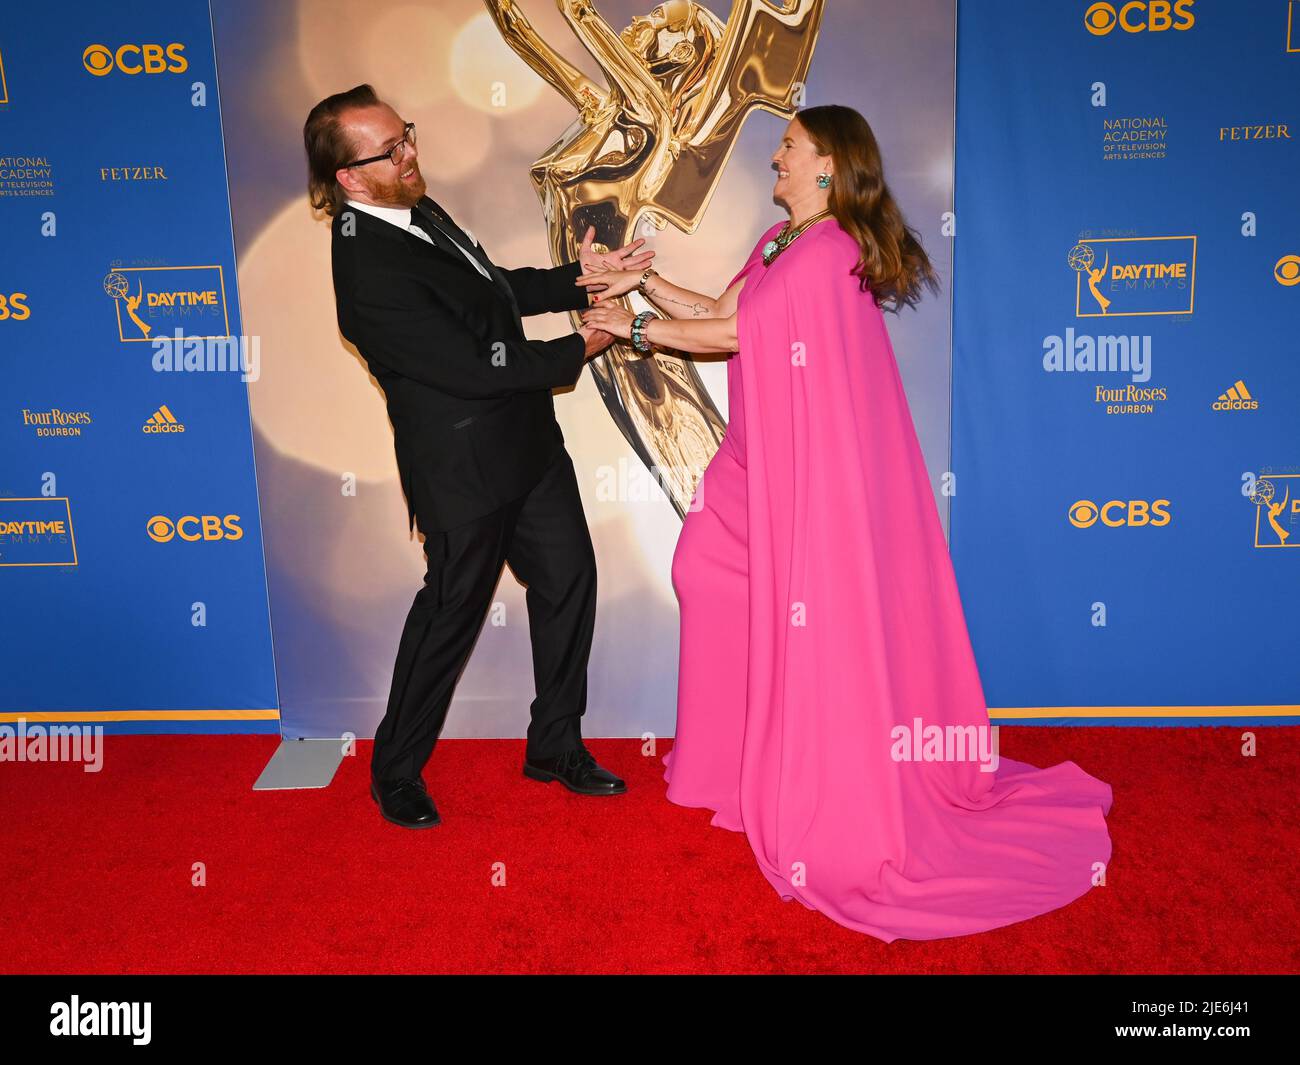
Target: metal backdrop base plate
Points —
{"points": [[301, 764]]}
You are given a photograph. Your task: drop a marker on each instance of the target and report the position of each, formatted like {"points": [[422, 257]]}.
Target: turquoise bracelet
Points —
{"points": [[639, 340]]}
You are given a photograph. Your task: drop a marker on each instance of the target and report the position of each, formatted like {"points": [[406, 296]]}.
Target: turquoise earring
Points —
{"points": [[824, 181]]}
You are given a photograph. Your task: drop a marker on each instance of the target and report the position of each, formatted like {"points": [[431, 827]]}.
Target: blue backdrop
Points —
{"points": [[1125, 527], [131, 567], [1125, 447]]}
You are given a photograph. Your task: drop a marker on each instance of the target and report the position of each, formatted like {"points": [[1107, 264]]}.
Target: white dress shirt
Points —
{"points": [[401, 217]]}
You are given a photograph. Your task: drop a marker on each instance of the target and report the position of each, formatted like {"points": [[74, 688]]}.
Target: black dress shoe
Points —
{"points": [[405, 802], [577, 770]]}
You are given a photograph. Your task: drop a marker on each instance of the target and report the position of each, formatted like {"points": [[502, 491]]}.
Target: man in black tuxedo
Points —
{"points": [[480, 454]]}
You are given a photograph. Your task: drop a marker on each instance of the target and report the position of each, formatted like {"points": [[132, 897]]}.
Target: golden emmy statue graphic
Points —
{"points": [[650, 150]]}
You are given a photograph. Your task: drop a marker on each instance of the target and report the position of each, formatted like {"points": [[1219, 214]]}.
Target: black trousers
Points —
{"points": [[543, 536]]}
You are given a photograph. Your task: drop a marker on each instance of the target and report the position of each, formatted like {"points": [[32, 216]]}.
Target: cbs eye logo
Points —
{"points": [[193, 528], [100, 60], [1101, 18], [1287, 270], [1119, 512]]}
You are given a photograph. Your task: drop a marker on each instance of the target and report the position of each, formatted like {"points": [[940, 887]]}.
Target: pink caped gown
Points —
{"points": [[819, 610]]}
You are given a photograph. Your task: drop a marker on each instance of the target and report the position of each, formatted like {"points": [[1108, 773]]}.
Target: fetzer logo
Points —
{"points": [[159, 300]]}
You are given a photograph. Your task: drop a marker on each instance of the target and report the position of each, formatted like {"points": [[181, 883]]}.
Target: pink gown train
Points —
{"points": [[820, 616]]}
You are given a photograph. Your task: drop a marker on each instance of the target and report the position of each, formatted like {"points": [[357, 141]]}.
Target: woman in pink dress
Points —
{"points": [[829, 705]]}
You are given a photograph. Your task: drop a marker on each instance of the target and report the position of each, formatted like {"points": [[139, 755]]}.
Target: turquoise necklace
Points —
{"points": [[785, 238]]}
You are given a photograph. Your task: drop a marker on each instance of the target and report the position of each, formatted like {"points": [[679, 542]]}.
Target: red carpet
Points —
{"points": [[97, 869]]}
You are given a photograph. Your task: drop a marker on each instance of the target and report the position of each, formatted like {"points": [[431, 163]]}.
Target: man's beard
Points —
{"points": [[401, 193]]}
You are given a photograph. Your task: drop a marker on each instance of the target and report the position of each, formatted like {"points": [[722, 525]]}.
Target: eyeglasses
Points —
{"points": [[394, 154]]}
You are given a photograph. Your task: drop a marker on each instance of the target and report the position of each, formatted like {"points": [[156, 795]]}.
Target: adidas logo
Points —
{"points": [[163, 421], [1236, 398]]}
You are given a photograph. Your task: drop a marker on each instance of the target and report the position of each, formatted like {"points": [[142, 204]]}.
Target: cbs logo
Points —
{"points": [[1101, 18], [1285, 272], [135, 59], [14, 306], [193, 528], [1119, 512]]}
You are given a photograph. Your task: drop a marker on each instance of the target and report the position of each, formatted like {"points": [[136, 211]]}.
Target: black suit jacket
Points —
{"points": [[469, 397]]}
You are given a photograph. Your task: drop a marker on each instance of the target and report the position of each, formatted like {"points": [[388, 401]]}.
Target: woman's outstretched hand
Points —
{"points": [[611, 318], [608, 284], [628, 257]]}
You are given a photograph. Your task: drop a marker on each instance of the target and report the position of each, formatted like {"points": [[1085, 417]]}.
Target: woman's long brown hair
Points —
{"points": [[892, 262]]}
